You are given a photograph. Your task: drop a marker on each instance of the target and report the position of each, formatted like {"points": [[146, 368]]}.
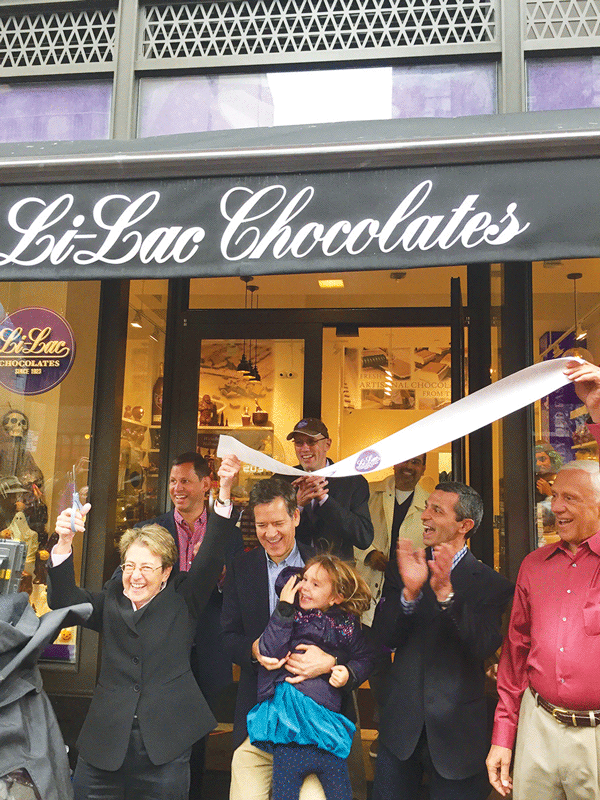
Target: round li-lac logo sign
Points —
{"points": [[37, 350], [367, 461]]}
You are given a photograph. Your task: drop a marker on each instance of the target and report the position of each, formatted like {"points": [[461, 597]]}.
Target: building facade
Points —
{"points": [[133, 133]]}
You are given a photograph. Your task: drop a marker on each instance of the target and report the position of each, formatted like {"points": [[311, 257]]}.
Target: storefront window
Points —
{"points": [[142, 404], [221, 102], [561, 434], [65, 111], [47, 363], [555, 84]]}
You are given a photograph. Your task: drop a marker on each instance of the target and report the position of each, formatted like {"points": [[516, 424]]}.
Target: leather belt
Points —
{"points": [[566, 716]]}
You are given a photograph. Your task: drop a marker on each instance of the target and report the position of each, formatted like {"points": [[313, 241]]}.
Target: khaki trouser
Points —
{"points": [[554, 761], [251, 774]]}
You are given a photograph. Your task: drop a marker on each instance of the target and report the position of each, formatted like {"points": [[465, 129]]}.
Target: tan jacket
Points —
{"points": [[381, 508]]}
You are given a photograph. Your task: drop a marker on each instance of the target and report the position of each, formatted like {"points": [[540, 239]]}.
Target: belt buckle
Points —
{"points": [[556, 711]]}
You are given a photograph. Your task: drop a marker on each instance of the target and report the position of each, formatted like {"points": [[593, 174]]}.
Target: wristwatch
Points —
{"points": [[225, 503], [444, 604]]}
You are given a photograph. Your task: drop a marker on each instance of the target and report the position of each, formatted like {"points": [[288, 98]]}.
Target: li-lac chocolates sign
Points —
{"points": [[37, 350], [310, 222]]}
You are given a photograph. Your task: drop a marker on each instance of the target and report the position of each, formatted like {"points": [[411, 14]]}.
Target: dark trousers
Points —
{"points": [[197, 768], [292, 763], [137, 779], [401, 780]]}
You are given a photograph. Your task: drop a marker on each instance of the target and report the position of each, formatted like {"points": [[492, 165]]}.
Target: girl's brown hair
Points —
{"points": [[346, 583]]}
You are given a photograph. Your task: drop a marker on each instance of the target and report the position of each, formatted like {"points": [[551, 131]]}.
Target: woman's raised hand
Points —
{"points": [[63, 527]]}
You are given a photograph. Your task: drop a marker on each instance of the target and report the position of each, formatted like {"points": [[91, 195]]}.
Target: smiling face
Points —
{"points": [[311, 451], [316, 589], [440, 523], [142, 583], [188, 491], [408, 473], [576, 506], [275, 528]]}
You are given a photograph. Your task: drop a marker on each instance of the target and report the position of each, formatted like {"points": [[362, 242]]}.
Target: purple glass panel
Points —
{"points": [[66, 111], [208, 103], [561, 83], [204, 103], [446, 90]]}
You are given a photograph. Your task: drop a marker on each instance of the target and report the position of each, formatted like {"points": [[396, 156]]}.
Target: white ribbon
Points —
{"points": [[456, 420]]}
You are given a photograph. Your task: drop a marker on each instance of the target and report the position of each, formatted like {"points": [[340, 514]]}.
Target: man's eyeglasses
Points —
{"points": [[310, 442], [146, 570]]}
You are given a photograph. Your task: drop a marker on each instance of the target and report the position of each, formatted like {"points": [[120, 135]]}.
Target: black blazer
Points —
{"points": [[212, 665], [437, 679], [146, 658], [244, 617], [343, 522]]}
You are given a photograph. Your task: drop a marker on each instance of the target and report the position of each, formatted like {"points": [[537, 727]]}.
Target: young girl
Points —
{"points": [[301, 723]]}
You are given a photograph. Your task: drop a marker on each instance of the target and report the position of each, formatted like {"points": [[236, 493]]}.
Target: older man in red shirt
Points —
{"points": [[548, 674]]}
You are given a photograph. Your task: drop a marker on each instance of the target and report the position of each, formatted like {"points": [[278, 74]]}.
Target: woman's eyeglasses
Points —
{"points": [[145, 569]]}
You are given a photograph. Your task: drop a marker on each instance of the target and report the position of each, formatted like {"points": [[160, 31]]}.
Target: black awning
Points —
{"points": [[401, 193]]}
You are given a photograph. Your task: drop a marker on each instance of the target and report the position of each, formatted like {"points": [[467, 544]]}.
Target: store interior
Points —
{"points": [[362, 401]]}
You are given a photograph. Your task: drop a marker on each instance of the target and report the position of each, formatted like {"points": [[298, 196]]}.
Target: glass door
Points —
{"points": [[381, 381], [366, 372], [253, 390]]}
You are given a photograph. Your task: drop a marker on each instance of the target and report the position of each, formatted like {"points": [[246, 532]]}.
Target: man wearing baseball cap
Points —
{"points": [[334, 512], [334, 517]]}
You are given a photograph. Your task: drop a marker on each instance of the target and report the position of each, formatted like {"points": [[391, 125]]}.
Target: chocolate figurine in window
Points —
{"points": [[207, 411]]}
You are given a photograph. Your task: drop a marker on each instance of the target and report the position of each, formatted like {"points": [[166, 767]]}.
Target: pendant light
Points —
{"points": [[254, 373], [580, 332], [245, 367]]}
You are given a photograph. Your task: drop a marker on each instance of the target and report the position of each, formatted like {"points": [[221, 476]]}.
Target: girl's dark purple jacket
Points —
{"points": [[336, 632]]}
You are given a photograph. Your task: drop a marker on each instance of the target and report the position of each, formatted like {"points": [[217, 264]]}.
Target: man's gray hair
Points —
{"points": [[469, 504], [586, 465]]}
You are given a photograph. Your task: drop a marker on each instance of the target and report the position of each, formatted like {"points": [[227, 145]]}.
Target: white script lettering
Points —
{"points": [[117, 239], [261, 223]]}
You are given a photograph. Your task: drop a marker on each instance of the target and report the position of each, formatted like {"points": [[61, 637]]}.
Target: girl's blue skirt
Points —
{"points": [[292, 717]]}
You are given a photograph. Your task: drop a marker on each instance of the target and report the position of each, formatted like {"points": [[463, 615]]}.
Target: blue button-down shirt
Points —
{"points": [[293, 560]]}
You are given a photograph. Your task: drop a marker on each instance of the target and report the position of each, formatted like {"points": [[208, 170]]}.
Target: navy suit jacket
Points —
{"points": [[343, 522], [437, 680], [211, 665], [244, 617]]}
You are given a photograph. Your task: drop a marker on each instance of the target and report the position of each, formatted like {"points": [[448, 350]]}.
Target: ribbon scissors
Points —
{"points": [[76, 505]]}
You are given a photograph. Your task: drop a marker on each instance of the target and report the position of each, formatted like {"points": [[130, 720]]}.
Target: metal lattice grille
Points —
{"points": [[272, 27], [59, 39], [562, 19]]}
